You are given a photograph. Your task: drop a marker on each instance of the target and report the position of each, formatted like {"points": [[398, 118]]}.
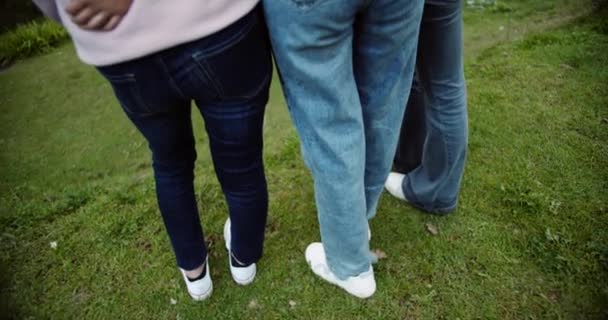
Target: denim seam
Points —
{"points": [[129, 80], [312, 6], [218, 48], [249, 95], [135, 93], [172, 82], [304, 7], [206, 69], [411, 198], [121, 78]]}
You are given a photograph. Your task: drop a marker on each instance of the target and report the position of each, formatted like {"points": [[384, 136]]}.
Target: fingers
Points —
{"points": [[97, 14], [98, 21], [112, 23], [83, 16], [75, 6]]}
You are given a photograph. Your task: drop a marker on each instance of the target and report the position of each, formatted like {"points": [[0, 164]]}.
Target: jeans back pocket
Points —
{"points": [[128, 94], [240, 65]]}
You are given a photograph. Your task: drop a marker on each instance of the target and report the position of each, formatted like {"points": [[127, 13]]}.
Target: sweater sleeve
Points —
{"points": [[49, 8]]}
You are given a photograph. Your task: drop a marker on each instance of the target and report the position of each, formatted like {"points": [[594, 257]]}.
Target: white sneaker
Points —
{"points": [[199, 289], [241, 275], [394, 185], [361, 286]]}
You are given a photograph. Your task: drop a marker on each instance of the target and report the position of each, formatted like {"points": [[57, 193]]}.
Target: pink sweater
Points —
{"points": [[149, 26]]}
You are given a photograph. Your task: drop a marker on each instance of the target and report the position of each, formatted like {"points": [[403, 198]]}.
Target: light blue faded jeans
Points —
{"points": [[346, 68], [438, 105]]}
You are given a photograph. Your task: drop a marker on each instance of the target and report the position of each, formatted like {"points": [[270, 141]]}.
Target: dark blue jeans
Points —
{"points": [[227, 75], [433, 143], [413, 131]]}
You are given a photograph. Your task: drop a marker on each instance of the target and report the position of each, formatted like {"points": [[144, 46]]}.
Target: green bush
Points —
{"points": [[30, 39]]}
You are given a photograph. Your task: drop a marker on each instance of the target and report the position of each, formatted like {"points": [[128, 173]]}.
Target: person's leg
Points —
{"points": [[413, 132], [235, 140], [163, 118], [173, 161], [312, 42], [435, 184], [386, 37], [238, 62]]}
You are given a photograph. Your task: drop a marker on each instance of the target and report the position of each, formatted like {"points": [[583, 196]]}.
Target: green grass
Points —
{"points": [[511, 20], [528, 241], [30, 39]]}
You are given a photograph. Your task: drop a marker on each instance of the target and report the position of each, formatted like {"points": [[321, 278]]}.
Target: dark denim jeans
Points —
{"points": [[433, 142], [413, 131], [227, 75]]}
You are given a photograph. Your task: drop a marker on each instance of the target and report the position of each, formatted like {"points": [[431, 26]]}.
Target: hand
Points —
{"points": [[98, 15]]}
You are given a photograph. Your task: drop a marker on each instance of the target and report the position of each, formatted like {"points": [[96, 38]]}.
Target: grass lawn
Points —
{"points": [[81, 236]]}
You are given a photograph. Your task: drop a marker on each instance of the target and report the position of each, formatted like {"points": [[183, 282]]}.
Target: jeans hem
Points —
{"points": [[432, 208], [192, 266]]}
